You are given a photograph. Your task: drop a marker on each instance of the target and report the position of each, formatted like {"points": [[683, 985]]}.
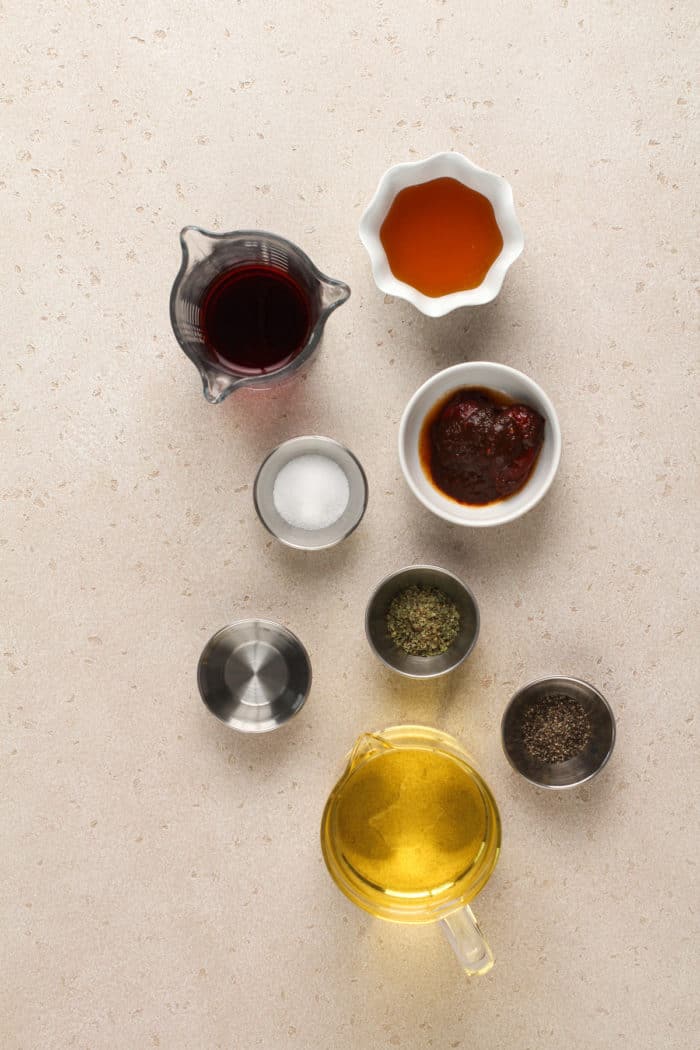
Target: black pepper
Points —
{"points": [[555, 728]]}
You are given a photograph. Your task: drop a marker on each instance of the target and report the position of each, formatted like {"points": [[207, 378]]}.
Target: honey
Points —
{"points": [[441, 237]]}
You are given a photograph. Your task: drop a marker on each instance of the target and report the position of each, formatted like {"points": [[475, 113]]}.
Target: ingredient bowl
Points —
{"points": [[581, 767], [452, 166], [421, 666], [497, 377], [254, 675], [310, 539]]}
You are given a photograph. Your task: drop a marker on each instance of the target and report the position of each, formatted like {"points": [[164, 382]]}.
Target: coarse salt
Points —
{"points": [[311, 492]]}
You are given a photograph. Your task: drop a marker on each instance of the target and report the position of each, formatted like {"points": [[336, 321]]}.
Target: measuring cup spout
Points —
{"points": [[217, 385], [333, 293], [196, 244], [366, 745]]}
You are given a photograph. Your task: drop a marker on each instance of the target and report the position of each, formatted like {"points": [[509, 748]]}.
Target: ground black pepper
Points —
{"points": [[555, 728], [423, 621]]}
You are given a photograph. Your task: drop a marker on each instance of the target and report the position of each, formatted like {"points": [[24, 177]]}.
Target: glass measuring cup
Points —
{"points": [[207, 257], [411, 833]]}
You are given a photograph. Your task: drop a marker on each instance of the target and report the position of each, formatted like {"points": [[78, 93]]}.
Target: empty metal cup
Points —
{"points": [[581, 767], [254, 675], [421, 666]]}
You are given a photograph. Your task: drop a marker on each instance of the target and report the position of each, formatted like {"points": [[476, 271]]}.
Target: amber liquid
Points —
{"points": [[441, 237], [411, 823]]}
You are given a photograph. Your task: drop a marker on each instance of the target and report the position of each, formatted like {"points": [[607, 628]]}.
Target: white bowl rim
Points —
{"points": [[458, 371], [496, 189]]}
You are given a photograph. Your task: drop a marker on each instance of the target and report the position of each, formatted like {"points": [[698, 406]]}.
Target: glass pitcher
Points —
{"points": [[411, 833], [208, 256]]}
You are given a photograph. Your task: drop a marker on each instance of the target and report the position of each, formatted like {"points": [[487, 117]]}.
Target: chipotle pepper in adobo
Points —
{"points": [[478, 446]]}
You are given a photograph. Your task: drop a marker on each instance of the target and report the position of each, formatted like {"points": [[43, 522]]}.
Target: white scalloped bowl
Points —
{"points": [[439, 166]]}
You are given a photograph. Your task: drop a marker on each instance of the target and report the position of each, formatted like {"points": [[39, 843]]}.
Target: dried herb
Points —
{"points": [[423, 621], [555, 728]]}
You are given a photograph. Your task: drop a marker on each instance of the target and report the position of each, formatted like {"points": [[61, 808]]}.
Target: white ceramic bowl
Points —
{"points": [[510, 382], [453, 166]]}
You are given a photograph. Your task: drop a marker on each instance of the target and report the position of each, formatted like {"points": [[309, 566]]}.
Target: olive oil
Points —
{"points": [[409, 830]]}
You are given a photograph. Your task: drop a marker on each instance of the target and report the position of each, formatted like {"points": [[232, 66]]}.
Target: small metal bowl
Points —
{"points": [[254, 675], [581, 767], [421, 666], [308, 539]]}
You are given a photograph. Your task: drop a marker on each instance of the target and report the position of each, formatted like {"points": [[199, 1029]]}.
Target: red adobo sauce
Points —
{"points": [[478, 446]]}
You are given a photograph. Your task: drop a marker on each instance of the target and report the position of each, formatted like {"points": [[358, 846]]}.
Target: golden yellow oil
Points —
{"points": [[412, 823]]}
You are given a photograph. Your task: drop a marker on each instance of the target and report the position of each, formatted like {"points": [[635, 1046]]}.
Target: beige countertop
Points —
{"points": [[162, 883]]}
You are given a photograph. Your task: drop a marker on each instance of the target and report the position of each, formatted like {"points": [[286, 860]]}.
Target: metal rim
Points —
{"points": [[244, 623], [541, 682], [326, 441], [443, 572]]}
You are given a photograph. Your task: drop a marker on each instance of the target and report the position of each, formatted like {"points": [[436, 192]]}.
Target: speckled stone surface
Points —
{"points": [[161, 880]]}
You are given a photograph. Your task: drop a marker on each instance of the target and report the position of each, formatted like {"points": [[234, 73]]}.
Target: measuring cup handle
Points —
{"points": [[463, 932]]}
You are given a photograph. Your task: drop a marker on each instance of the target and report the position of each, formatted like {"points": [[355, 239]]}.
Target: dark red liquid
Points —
{"points": [[255, 319]]}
